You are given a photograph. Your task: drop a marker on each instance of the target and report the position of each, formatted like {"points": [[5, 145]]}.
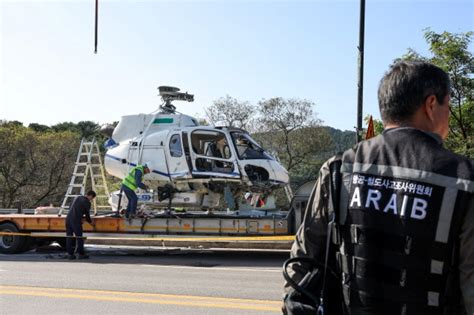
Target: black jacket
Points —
{"points": [[79, 208], [405, 225]]}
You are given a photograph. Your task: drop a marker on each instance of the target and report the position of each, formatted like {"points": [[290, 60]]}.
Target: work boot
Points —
{"points": [[71, 257], [83, 256]]}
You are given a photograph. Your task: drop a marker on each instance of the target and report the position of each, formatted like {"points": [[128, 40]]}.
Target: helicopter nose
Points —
{"points": [[280, 173]]}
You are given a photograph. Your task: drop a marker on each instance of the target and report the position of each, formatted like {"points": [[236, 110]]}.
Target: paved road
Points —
{"points": [[141, 281]]}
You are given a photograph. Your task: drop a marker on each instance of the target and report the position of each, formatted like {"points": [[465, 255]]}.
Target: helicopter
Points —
{"points": [[191, 165]]}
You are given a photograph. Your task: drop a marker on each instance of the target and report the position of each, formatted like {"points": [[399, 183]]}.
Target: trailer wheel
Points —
{"points": [[30, 244], [11, 244]]}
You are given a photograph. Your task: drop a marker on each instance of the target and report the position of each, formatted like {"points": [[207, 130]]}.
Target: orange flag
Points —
{"points": [[370, 129]]}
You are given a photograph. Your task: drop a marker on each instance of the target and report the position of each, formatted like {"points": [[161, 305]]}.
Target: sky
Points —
{"points": [[250, 50]]}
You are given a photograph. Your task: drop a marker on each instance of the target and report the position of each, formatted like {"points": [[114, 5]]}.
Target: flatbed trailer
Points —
{"points": [[21, 232]]}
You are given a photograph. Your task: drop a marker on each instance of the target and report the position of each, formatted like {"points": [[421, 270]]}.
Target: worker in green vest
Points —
{"points": [[130, 183]]}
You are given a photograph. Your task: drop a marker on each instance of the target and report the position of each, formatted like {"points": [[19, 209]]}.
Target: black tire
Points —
{"points": [[11, 244], [29, 244]]}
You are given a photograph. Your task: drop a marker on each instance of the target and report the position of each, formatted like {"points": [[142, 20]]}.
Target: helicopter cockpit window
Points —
{"points": [[247, 148], [212, 144], [175, 146]]}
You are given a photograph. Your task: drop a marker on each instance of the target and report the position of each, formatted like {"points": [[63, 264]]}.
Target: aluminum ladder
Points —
{"points": [[88, 174]]}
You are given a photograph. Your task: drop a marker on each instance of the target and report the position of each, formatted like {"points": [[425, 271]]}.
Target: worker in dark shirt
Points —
{"points": [[79, 208]]}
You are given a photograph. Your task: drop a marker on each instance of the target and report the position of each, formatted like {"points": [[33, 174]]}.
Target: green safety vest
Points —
{"points": [[129, 181]]}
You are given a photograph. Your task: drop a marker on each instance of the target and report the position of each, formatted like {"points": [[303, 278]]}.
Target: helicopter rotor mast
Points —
{"points": [[169, 94]]}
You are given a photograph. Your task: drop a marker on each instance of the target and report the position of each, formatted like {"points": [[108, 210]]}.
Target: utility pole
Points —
{"points": [[360, 83]]}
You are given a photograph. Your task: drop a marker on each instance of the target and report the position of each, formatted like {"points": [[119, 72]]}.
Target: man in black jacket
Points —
{"points": [[403, 228], [80, 207]]}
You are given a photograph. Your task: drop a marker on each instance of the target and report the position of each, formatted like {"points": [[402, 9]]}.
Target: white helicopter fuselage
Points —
{"points": [[181, 153]]}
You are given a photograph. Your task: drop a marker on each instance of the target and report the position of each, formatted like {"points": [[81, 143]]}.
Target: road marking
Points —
{"points": [[174, 239], [277, 270], [135, 297]]}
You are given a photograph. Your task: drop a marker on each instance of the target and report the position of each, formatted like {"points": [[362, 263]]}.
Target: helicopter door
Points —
{"points": [[178, 167], [211, 154], [187, 152]]}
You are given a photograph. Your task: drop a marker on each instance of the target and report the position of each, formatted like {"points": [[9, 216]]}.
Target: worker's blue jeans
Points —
{"points": [[74, 229], [132, 201]]}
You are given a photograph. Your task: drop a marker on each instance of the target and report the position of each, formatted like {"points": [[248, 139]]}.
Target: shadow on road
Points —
{"points": [[100, 254]]}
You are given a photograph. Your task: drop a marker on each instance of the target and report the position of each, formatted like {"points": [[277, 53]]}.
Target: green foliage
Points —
{"points": [[307, 171], [12, 123], [35, 167], [378, 126], [289, 129], [342, 140], [36, 163], [38, 127], [65, 126], [451, 53], [461, 138], [86, 129]]}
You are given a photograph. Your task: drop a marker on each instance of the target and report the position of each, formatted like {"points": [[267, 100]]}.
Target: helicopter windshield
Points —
{"points": [[247, 148]]}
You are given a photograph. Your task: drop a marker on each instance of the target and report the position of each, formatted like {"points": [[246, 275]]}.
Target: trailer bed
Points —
{"points": [[17, 230]]}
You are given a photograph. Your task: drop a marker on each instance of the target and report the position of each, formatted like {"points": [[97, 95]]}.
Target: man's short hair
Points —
{"points": [[91, 193], [406, 85]]}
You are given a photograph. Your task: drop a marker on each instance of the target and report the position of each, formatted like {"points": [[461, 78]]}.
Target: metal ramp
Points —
{"points": [[88, 174]]}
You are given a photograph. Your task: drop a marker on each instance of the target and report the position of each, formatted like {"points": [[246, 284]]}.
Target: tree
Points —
{"points": [[88, 129], [289, 128], [451, 53], [341, 140], [231, 112], [35, 168], [11, 123], [65, 126], [39, 127]]}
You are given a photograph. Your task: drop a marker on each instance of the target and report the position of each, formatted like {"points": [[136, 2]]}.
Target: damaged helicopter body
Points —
{"points": [[191, 165]]}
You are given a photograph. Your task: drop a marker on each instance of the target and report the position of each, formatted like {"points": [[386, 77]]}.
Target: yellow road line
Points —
{"points": [[152, 298], [136, 293], [187, 239]]}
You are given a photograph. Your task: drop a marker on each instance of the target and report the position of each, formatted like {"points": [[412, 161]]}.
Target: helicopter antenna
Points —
{"points": [[169, 94]]}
